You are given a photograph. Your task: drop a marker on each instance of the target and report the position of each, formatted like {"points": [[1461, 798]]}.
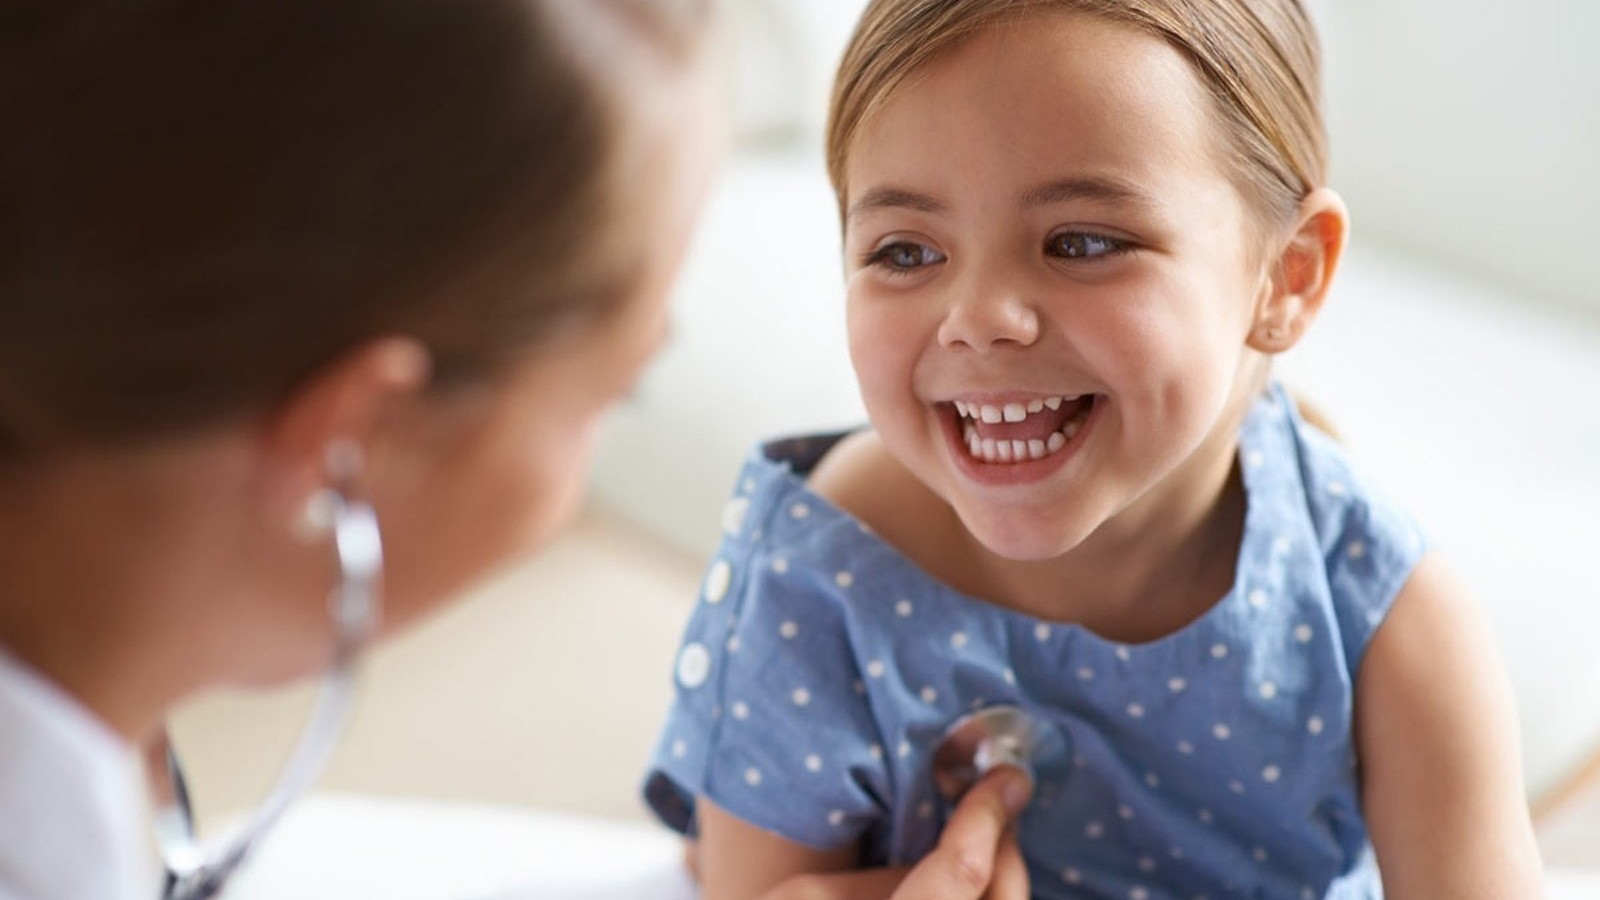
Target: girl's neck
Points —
{"points": [[1156, 567], [1148, 571]]}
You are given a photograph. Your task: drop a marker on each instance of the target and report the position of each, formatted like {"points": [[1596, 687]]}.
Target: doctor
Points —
{"points": [[309, 310]]}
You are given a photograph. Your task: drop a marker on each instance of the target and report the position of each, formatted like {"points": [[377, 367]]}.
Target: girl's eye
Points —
{"points": [[1083, 245], [903, 257]]}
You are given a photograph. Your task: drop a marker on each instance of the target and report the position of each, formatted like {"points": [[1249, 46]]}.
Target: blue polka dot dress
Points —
{"points": [[822, 667]]}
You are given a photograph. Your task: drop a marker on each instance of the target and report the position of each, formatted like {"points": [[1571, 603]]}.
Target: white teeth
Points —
{"points": [[991, 450], [1008, 412]]}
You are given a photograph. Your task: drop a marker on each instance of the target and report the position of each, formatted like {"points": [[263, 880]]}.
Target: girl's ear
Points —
{"points": [[1301, 273], [339, 405]]}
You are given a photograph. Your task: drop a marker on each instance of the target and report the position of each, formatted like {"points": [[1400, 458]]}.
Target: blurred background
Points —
{"points": [[1460, 356]]}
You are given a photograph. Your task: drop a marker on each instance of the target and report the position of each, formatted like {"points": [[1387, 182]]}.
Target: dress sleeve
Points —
{"points": [[770, 720], [1370, 546]]}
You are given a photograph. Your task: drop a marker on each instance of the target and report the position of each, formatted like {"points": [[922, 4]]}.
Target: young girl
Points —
{"points": [[1076, 235]]}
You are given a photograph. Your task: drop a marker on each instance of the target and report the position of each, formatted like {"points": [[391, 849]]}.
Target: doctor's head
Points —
{"points": [[235, 234]]}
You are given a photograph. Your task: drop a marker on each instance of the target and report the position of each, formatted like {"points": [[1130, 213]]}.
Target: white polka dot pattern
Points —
{"points": [[694, 665], [717, 579], [733, 515], [1236, 712]]}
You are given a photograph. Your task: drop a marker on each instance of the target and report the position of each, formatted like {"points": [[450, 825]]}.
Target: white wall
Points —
{"points": [[1468, 132]]}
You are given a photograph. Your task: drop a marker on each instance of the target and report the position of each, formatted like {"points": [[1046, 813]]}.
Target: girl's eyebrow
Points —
{"points": [[1102, 188], [1105, 189], [889, 197]]}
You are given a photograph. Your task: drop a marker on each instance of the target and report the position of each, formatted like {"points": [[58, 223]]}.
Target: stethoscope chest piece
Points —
{"points": [[999, 735]]}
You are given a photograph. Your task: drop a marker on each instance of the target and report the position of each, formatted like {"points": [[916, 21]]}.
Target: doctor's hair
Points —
{"points": [[203, 202], [1258, 59]]}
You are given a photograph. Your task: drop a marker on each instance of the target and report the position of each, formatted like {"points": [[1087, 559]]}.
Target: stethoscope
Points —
{"points": [[197, 870], [976, 744]]}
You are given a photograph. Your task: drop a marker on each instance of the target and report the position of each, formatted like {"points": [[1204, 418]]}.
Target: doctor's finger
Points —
{"points": [[1010, 880], [963, 865]]}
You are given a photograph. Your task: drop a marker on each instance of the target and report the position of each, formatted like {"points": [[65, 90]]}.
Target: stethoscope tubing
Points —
{"points": [[197, 870]]}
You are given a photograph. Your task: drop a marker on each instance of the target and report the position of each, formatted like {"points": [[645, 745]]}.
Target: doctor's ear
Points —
{"points": [[336, 409], [1301, 273]]}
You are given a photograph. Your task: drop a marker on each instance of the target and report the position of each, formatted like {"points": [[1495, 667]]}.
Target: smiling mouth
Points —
{"points": [[1021, 431]]}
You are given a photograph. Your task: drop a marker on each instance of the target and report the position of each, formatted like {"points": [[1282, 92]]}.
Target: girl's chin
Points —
{"points": [[1039, 543]]}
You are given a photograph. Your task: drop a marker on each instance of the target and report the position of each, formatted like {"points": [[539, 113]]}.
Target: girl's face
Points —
{"points": [[1050, 280]]}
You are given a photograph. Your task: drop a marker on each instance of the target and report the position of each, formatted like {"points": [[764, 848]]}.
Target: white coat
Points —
{"points": [[72, 804]]}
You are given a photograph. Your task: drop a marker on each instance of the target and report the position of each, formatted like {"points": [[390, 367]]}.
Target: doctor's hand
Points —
{"points": [[977, 857]]}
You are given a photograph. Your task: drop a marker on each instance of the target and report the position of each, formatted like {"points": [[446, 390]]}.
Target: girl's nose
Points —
{"points": [[982, 320]]}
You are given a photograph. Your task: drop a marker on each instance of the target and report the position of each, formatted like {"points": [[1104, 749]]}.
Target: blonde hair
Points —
{"points": [[1258, 59]]}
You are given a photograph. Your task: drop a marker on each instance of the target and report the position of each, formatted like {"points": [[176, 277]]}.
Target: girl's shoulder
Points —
{"points": [[860, 476], [1321, 522], [863, 478]]}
